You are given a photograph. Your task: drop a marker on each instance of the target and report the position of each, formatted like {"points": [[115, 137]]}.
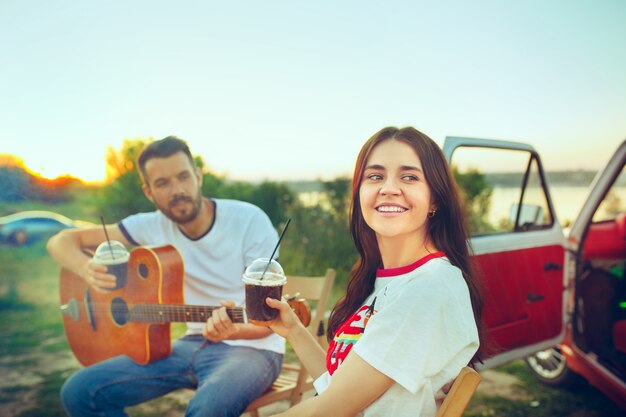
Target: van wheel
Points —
{"points": [[550, 368]]}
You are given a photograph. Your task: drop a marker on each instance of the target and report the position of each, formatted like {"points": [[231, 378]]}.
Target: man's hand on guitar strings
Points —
{"points": [[219, 326]]}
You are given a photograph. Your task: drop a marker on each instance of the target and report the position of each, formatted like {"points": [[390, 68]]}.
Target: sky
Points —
{"points": [[287, 89]]}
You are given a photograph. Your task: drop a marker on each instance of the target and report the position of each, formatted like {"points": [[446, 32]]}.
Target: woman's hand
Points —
{"points": [[286, 321]]}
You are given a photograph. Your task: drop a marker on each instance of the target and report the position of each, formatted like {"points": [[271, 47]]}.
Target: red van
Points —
{"points": [[557, 300]]}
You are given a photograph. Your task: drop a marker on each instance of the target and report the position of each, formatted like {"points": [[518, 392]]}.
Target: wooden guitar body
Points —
{"points": [[96, 323]]}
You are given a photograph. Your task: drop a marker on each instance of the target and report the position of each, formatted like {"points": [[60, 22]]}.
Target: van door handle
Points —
{"points": [[534, 297], [552, 266]]}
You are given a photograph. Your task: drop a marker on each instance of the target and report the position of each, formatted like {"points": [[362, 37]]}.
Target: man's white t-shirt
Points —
{"points": [[214, 263], [418, 328]]}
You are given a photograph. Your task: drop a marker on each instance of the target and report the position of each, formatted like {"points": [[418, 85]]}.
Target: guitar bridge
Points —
{"points": [[71, 309]]}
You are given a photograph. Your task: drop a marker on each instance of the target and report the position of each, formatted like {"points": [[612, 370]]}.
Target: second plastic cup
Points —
{"points": [[115, 257], [261, 285]]}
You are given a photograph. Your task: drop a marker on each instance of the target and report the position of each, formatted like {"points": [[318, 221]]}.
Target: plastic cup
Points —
{"points": [[115, 258], [261, 285]]}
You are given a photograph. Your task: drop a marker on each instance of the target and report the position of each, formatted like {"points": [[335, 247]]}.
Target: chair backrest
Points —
{"points": [[314, 289], [460, 393]]}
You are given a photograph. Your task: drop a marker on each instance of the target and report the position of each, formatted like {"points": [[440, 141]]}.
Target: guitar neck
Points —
{"points": [[170, 313]]}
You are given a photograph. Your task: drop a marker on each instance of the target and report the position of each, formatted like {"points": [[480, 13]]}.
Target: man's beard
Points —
{"points": [[187, 217]]}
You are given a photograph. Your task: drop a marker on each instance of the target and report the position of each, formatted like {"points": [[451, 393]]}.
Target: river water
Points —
{"points": [[567, 201]]}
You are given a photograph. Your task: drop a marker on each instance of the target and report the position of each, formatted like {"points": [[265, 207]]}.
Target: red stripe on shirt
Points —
{"points": [[392, 272]]}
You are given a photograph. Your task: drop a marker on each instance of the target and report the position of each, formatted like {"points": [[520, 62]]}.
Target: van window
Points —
{"points": [[503, 190]]}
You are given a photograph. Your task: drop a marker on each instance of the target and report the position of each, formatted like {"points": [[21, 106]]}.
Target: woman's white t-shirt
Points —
{"points": [[417, 327]]}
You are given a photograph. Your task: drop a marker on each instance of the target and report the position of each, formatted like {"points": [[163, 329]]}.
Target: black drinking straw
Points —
{"points": [[107, 236], [278, 243]]}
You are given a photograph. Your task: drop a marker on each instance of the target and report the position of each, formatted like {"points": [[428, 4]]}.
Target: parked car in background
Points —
{"points": [[27, 227], [559, 301]]}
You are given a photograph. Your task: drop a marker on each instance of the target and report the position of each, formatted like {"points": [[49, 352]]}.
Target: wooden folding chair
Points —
{"points": [[460, 393], [294, 380]]}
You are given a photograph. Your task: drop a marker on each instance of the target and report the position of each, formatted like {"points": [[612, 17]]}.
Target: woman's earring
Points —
{"points": [[432, 213]]}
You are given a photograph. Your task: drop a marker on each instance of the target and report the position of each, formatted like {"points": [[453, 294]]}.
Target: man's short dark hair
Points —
{"points": [[162, 149]]}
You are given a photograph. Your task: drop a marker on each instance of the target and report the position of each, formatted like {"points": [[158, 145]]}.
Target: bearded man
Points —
{"points": [[228, 364]]}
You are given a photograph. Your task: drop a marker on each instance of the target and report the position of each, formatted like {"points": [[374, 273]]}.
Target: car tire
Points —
{"points": [[19, 238], [550, 368]]}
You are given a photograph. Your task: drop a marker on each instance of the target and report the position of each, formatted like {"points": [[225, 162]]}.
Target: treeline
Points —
{"points": [[17, 184]]}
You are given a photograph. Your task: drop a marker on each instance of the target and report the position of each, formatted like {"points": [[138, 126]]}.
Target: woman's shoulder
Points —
{"points": [[436, 270], [435, 279]]}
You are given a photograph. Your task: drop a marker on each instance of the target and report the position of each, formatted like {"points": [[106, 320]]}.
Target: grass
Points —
{"points": [[79, 207], [47, 396], [534, 399], [35, 358]]}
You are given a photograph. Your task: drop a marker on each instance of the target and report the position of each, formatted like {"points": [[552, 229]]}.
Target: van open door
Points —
{"points": [[518, 244], [594, 345]]}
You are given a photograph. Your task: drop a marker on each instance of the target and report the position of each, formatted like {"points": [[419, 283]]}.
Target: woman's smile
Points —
{"points": [[390, 209]]}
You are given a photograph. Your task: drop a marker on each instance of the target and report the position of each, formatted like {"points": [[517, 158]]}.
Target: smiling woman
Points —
{"points": [[412, 279]]}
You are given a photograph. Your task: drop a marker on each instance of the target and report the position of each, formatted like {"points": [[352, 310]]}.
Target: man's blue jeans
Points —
{"points": [[227, 379]]}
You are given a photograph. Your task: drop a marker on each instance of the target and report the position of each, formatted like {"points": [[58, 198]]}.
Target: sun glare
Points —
{"points": [[89, 173]]}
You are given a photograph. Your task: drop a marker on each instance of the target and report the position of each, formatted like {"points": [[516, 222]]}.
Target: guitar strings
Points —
{"points": [[166, 313], [185, 314]]}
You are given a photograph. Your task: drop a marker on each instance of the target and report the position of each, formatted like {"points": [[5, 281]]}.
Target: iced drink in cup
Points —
{"points": [[114, 255], [262, 281]]}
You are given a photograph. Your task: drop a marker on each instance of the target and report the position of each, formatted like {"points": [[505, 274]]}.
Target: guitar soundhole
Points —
{"points": [[143, 271], [119, 311]]}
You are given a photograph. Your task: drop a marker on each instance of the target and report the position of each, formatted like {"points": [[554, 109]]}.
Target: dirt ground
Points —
{"points": [[24, 375], [493, 383]]}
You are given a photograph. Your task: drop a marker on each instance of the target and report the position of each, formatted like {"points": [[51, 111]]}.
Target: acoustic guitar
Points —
{"points": [[135, 320]]}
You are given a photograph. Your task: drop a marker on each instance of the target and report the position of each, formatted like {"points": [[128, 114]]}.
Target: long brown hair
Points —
{"points": [[447, 228]]}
